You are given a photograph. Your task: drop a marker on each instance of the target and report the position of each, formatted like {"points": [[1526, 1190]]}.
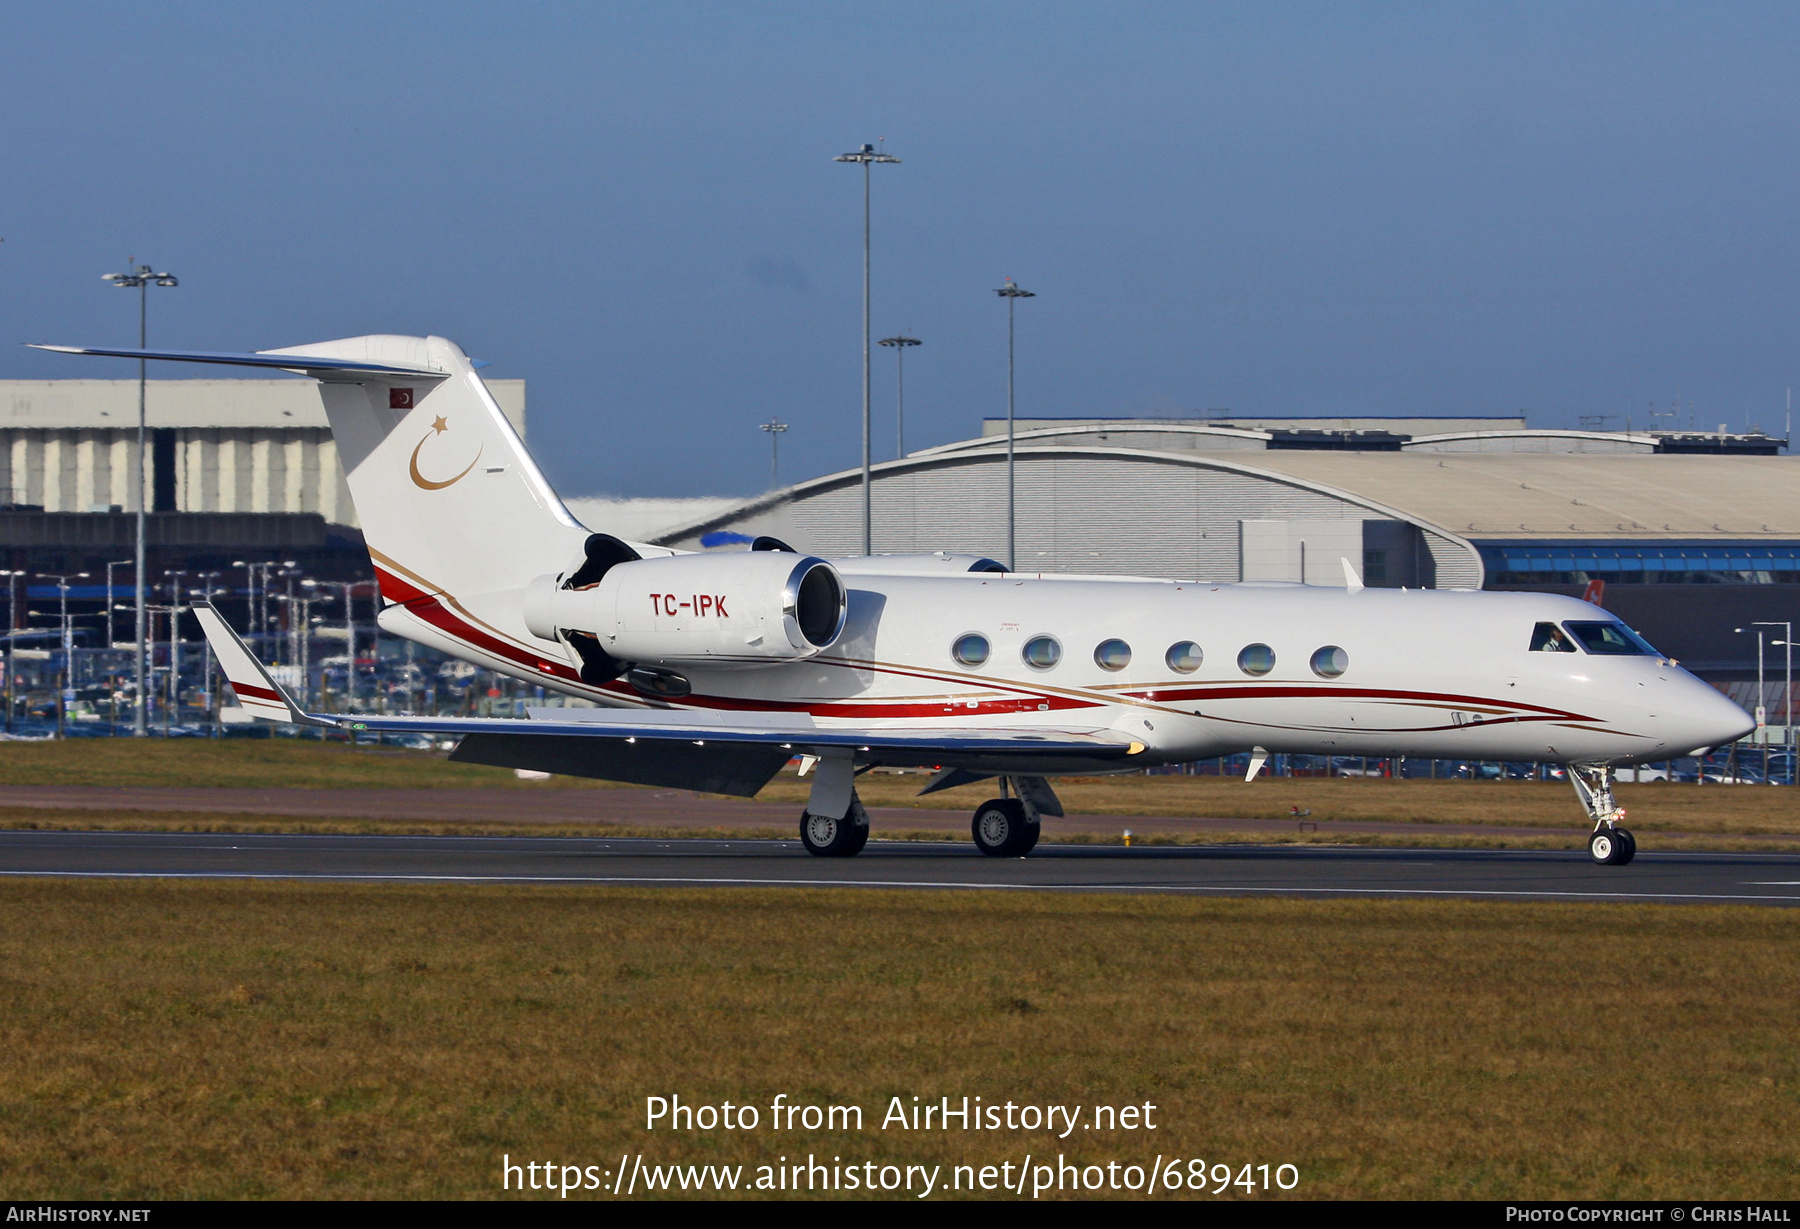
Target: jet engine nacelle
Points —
{"points": [[757, 608]]}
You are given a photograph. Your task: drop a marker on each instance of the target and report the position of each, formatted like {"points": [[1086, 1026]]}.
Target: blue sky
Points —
{"points": [[1561, 210]]}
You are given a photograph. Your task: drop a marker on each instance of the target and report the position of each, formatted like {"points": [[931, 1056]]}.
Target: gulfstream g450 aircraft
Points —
{"points": [[716, 669]]}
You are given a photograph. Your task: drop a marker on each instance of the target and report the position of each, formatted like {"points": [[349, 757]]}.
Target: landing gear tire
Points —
{"points": [[1612, 846], [853, 844], [1001, 829], [1609, 844], [825, 837]]}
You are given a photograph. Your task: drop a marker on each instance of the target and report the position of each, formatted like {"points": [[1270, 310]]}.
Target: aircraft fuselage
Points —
{"points": [[1199, 670]]}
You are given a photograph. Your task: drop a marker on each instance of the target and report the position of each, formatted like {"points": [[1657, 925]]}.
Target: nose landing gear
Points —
{"points": [[1612, 846], [1609, 844]]}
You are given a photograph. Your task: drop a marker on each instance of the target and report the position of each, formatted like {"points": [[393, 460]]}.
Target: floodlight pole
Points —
{"points": [[212, 694], [350, 641], [1763, 731], [111, 564], [289, 571], [68, 646], [1787, 688], [774, 427], [68, 635], [249, 599], [1762, 724], [175, 608], [349, 634], [868, 156], [141, 277], [12, 636], [1012, 294], [899, 344], [305, 675]]}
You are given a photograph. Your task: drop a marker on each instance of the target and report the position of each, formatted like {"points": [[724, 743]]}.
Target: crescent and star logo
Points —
{"points": [[438, 427]]}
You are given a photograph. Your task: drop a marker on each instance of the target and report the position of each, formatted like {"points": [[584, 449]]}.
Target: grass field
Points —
{"points": [[273, 763], [167, 1039]]}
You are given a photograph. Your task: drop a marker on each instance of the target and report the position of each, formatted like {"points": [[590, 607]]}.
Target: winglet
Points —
{"points": [[256, 690], [1352, 581]]}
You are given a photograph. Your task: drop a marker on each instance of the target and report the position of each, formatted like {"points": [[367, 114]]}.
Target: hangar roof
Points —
{"points": [[1502, 494], [1405, 424], [1565, 495], [1544, 440]]}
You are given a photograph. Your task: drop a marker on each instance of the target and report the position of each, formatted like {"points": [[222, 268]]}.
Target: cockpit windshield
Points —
{"points": [[1610, 639], [1549, 638]]}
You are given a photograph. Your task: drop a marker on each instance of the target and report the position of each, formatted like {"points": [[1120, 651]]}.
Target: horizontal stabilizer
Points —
{"points": [[318, 366]]}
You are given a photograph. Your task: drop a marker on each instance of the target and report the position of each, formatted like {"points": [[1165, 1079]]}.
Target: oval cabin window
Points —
{"points": [[971, 649], [1257, 659], [1330, 661], [1112, 655], [1184, 658]]}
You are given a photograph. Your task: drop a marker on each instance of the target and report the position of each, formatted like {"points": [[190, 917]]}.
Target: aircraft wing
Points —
{"points": [[717, 752]]}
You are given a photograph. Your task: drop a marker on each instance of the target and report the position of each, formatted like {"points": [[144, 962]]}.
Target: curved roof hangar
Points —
{"points": [[1094, 510]]}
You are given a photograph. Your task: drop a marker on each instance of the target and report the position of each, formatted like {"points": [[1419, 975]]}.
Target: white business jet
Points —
{"points": [[715, 670]]}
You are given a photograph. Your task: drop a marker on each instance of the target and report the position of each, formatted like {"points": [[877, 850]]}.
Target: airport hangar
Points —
{"points": [[237, 469], [1694, 534]]}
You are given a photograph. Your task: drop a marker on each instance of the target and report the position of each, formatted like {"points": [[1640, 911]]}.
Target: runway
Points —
{"points": [[656, 809], [1306, 871]]}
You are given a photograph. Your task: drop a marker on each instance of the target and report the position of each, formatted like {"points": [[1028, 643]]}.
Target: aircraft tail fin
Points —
{"points": [[451, 504], [450, 501]]}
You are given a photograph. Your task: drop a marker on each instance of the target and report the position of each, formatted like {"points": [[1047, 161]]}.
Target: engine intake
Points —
{"points": [[750, 609]]}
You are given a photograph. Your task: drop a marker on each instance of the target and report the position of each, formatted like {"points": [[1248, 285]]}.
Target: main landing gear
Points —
{"points": [[1008, 826], [825, 837], [1608, 844], [1003, 827]]}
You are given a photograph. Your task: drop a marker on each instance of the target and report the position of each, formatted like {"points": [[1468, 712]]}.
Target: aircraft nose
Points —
{"points": [[1706, 717]]}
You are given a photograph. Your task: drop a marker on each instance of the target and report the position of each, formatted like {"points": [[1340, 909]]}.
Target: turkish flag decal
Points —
{"points": [[400, 399]]}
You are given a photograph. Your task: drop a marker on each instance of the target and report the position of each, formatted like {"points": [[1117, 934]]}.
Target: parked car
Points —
{"points": [[1521, 772], [1481, 770], [1781, 765]]}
